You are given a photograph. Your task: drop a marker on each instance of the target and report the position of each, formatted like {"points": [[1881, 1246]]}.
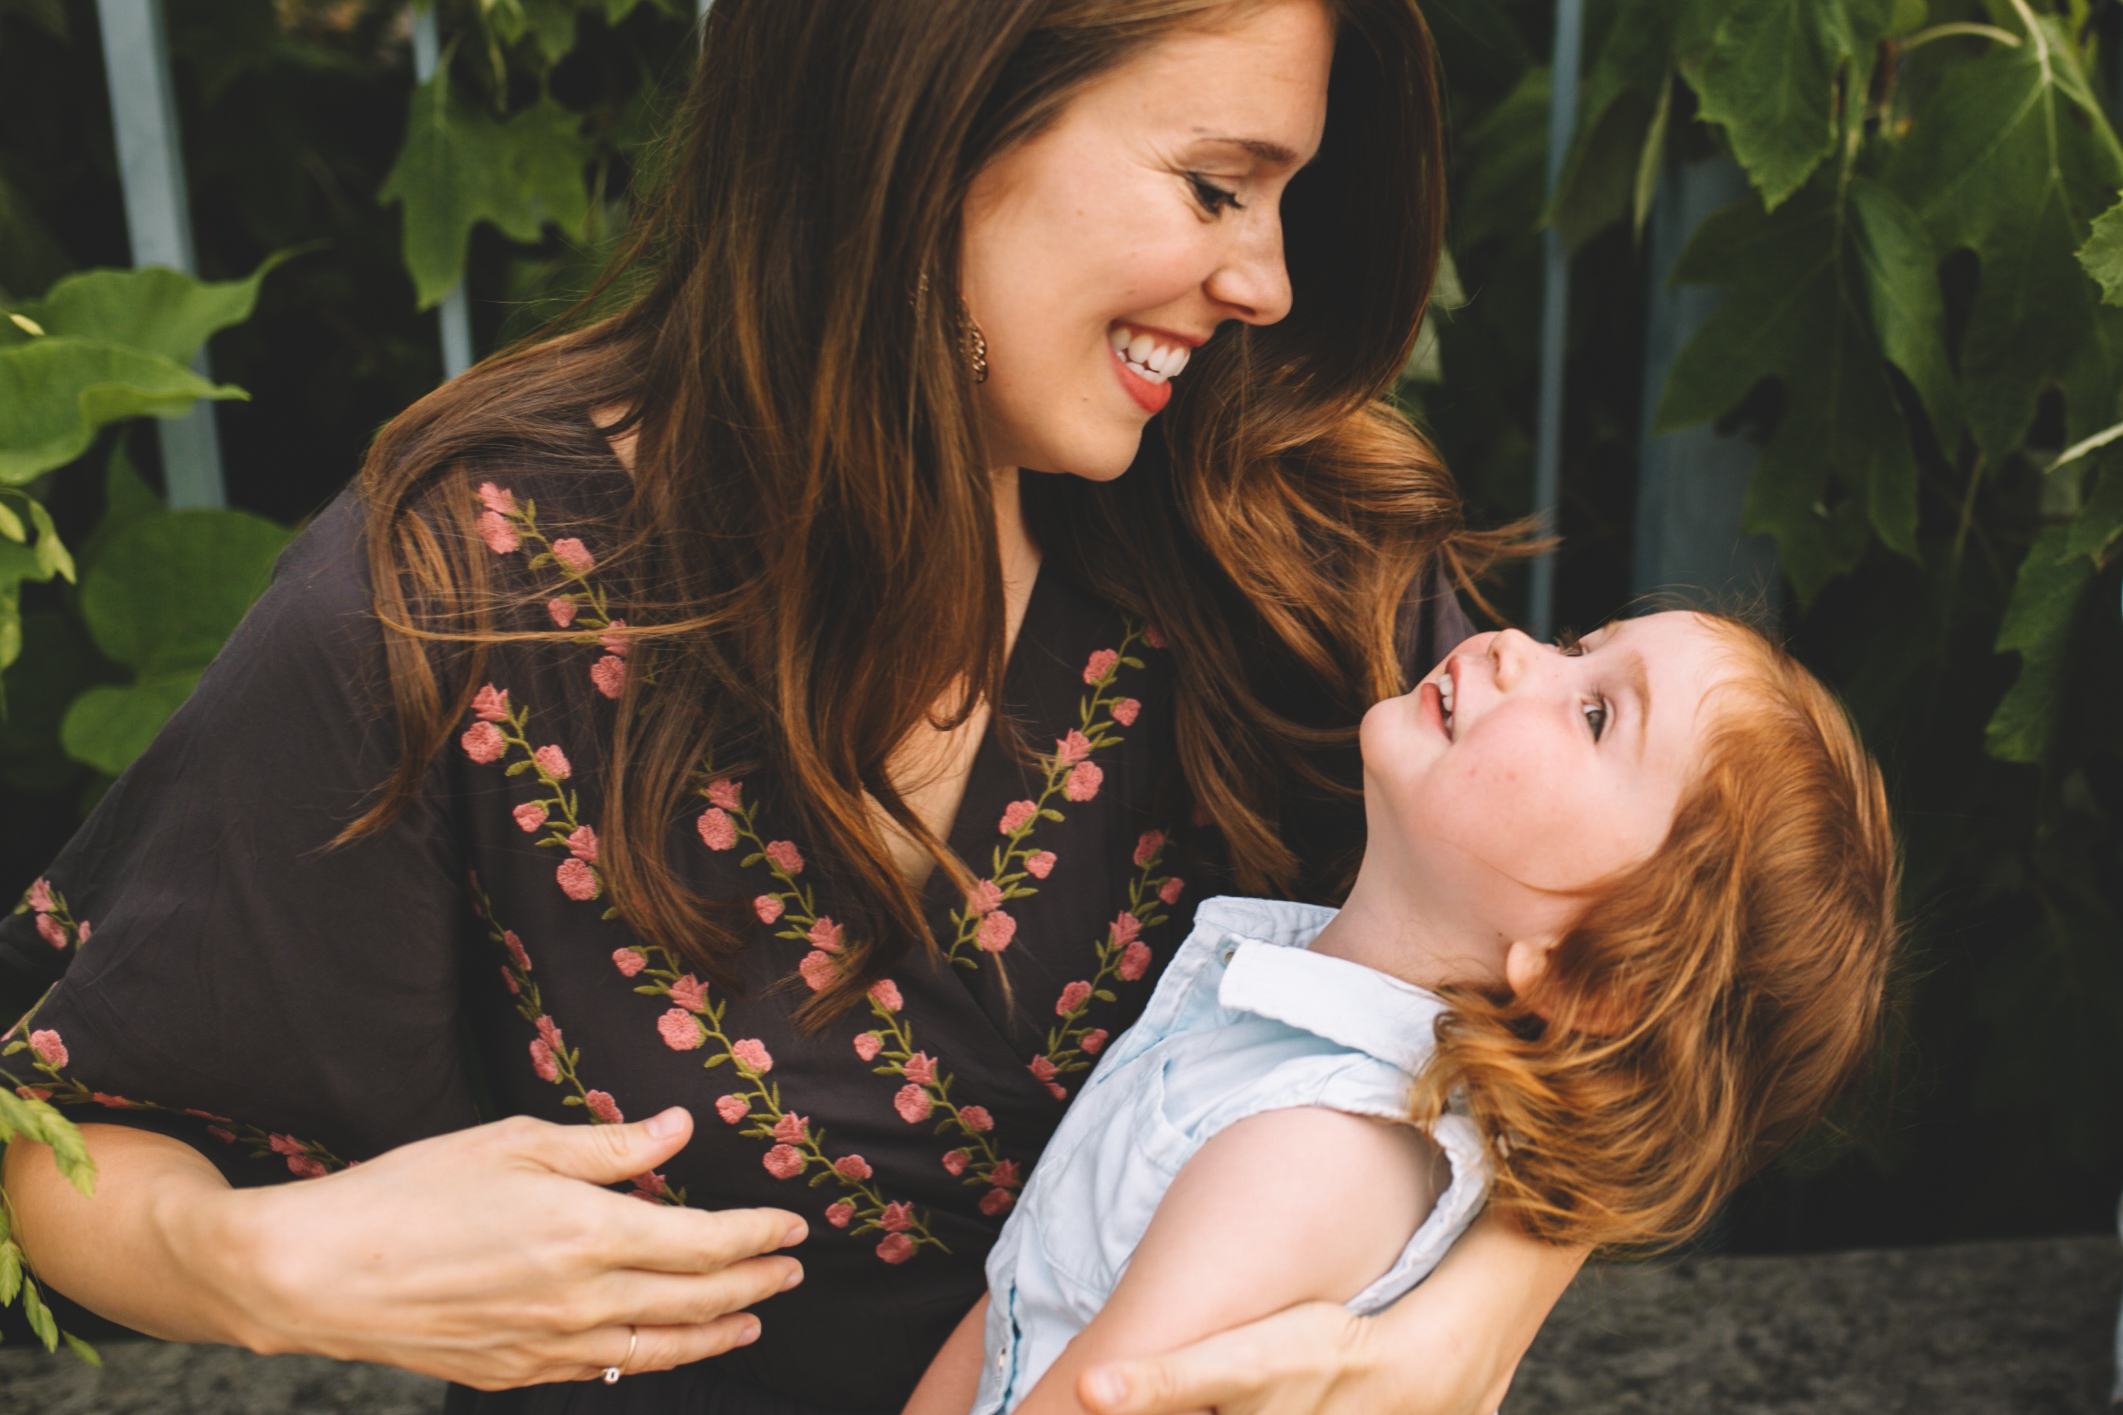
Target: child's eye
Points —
{"points": [[1596, 714], [1212, 197]]}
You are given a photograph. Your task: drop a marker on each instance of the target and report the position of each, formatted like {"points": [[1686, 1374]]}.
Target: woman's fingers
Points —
{"points": [[601, 1154], [1289, 1363], [660, 1299]]}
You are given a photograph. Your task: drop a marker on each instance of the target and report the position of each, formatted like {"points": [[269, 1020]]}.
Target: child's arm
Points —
{"points": [[953, 1378], [1286, 1207]]}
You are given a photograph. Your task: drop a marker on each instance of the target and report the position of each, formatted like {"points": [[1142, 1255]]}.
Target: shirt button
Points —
{"points": [[1002, 1361]]}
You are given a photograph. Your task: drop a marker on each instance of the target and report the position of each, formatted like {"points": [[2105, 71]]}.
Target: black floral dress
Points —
{"points": [[226, 977]]}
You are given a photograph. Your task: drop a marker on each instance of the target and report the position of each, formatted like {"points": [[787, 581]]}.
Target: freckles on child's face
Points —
{"points": [[1534, 767]]}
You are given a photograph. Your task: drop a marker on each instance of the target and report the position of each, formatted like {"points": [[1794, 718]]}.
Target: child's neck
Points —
{"points": [[1382, 929]]}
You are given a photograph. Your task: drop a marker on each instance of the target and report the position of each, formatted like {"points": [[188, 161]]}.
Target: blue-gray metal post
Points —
{"points": [[1692, 484], [1555, 313], [158, 216], [456, 309]]}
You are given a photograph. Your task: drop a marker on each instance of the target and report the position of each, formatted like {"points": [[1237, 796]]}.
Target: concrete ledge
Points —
{"points": [[1975, 1329]]}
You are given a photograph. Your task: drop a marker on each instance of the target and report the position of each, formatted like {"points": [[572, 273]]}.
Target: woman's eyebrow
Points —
{"points": [[1267, 151]]}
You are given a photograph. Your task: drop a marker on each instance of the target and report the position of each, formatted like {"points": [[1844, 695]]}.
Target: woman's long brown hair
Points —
{"points": [[809, 545]]}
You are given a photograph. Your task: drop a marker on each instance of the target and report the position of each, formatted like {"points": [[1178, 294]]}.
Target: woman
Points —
{"points": [[738, 646]]}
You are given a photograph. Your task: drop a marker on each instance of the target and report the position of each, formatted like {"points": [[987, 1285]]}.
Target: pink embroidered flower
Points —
{"points": [[719, 832], [724, 793], [824, 934], [601, 1105], [574, 554], [515, 947], [226, 1137], [1054, 1089], [895, 1248], [817, 970], [496, 499], [1094, 1041], [81, 933], [752, 1056], [768, 907], [582, 844], [1125, 711], [491, 704], [1084, 781], [783, 1161], [577, 880], [1073, 748], [529, 816], [955, 1161], [1147, 847], [996, 931], [1134, 961], [1017, 815], [852, 1167], [1073, 997], [1042, 1067], [562, 608], [785, 857], [1171, 890], [1004, 1174], [679, 1030], [1122, 931], [48, 1047], [691, 993], [997, 1201], [543, 1061], [976, 1118], [885, 993], [1152, 637], [733, 1109], [553, 762], [614, 639], [792, 1129], [110, 1102], [39, 1093], [629, 961], [40, 896], [499, 535], [285, 1145], [897, 1218], [913, 1104], [840, 1214], [51, 930], [868, 1045], [986, 897], [549, 1032], [304, 1167], [483, 743], [1102, 663], [508, 980], [609, 675], [920, 1068], [649, 1185], [1040, 863]]}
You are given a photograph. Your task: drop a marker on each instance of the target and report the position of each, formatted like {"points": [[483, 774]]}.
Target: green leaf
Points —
{"points": [[150, 308], [10, 1272], [1802, 283], [1902, 292], [40, 1319], [168, 589], [2100, 521], [11, 526], [1621, 107], [1504, 162], [461, 165], [2011, 157], [81, 1348], [52, 556], [2102, 255], [107, 727], [1769, 79], [2038, 626], [56, 392]]}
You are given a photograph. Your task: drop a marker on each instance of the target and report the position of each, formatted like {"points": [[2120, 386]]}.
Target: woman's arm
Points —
{"points": [[1450, 1347], [1286, 1207], [488, 1257]]}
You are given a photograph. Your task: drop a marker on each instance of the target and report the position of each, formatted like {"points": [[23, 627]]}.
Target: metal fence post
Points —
{"points": [[1555, 314], [158, 216]]}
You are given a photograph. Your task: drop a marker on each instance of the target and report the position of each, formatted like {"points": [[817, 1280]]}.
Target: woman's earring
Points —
{"points": [[973, 345]]}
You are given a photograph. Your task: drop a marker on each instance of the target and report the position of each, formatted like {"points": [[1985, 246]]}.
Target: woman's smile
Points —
{"points": [[1147, 361]]}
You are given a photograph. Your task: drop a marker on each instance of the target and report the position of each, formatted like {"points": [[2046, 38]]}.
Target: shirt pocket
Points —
{"points": [[1109, 1186]]}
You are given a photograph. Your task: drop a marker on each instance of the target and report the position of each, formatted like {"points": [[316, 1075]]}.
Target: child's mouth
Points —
{"points": [[1444, 702]]}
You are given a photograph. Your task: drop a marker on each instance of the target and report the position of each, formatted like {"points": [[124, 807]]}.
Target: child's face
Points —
{"points": [[1550, 770]]}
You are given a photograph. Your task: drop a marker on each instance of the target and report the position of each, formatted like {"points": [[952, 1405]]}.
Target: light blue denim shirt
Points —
{"points": [[1245, 1020]]}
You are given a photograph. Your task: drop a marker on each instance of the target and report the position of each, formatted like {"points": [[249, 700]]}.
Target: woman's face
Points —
{"points": [[1099, 254]]}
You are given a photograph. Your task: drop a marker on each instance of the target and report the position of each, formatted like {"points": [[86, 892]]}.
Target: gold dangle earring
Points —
{"points": [[973, 344]]}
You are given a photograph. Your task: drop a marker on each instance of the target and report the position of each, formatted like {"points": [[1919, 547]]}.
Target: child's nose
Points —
{"points": [[1511, 651]]}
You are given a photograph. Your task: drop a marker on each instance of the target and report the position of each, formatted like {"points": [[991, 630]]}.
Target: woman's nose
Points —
{"points": [[1252, 283]]}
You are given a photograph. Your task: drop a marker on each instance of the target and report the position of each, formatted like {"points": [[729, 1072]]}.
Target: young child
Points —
{"points": [[1621, 931]]}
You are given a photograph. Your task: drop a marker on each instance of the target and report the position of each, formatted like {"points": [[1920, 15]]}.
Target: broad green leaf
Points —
{"points": [[2011, 157], [2039, 621], [2102, 255], [151, 308], [167, 590], [2100, 521], [1622, 104], [56, 392], [40, 1317], [1801, 284], [107, 727], [1504, 164], [461, 165], [1769, 79], [1902, 292], [126, 498]]}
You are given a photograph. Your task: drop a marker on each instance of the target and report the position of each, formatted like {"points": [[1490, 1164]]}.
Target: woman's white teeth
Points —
{"points": [[1154, 361]]}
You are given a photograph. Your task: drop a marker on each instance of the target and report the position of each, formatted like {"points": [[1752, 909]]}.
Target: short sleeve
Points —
{"points": [[232, 960]]}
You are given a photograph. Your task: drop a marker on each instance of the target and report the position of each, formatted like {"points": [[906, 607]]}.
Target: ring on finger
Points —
{"points": [[613, 1373]]}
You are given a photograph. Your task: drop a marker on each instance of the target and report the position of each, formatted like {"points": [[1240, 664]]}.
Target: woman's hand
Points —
{"points": [[1450, 1347], [487, 1257]]}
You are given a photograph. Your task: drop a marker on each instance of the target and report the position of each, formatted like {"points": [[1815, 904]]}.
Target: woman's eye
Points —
{"points": [[1596, 714], [1212, 197]]}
